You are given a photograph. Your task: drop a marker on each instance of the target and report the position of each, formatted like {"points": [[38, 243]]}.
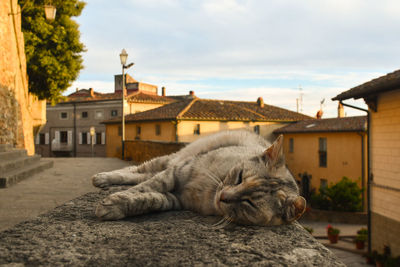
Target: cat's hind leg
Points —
{"points": [[123, 204]]}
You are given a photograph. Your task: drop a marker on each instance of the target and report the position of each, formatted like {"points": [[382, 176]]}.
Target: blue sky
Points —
{"points": [[243, 49]]}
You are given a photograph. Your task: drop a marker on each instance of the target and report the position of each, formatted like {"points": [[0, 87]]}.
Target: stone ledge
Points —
{"points": [[71, 235]]}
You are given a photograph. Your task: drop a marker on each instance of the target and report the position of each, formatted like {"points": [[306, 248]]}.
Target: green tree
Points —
{"points": [[342, 196], [53, 49]]}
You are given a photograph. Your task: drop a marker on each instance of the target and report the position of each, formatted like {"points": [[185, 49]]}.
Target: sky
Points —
{"points": [[281, 50]]}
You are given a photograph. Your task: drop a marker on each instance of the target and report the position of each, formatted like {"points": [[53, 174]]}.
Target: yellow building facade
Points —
{"points": [[383, 98], [324, 151]]}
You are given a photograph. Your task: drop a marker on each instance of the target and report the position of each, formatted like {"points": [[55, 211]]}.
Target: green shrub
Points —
{"points": [[343, 196]]}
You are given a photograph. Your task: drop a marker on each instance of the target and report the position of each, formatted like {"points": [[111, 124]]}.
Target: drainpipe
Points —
{"points": [[369, 176], [362, 168], [74, 130]]}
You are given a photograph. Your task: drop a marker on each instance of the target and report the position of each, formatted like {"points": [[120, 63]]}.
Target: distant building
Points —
{"points": [[383, 98], [67, 131], [192, 117], [322, 151]]}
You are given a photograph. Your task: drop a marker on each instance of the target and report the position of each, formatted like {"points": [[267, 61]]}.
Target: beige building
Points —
{"points": [[192, 117], [320, 152], [383, 98], [67, 131]]}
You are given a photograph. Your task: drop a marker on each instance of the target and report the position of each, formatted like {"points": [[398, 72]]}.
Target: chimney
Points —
{"points": [[163, 91], [91, 92], [77, 89], [319, 114], [191, 93], [260, 102], [340, 111]]}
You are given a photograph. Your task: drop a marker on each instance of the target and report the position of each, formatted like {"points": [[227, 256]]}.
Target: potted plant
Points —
{"points": [[333, 234], [361, 238], [360, 241]]}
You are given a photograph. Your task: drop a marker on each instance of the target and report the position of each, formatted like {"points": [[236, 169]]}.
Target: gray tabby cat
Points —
{"points": [[234, 174]]}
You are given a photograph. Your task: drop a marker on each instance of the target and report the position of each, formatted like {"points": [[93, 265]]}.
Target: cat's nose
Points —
{"points": [[222, 197], [299, 207]]}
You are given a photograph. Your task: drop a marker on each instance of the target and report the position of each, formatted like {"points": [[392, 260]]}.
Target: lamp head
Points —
{"points": [[123, 56]]}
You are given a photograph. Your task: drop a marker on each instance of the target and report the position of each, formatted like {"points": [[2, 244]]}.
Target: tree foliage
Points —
{"points": [[343, 196], [53, 49]]}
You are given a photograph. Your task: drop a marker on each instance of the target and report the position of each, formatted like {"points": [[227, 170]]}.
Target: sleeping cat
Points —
{"points": [[234, 174]]}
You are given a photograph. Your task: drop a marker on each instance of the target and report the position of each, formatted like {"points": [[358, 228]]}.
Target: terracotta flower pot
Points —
{"points": [[333, 238], [360, 244]]}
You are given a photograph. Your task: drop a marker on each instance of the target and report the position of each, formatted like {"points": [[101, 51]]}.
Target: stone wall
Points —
{"points": [[20, 112], [141, 151]]}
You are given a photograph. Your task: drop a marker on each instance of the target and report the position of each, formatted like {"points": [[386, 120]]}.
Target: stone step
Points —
{"points": [[5, 147], [15, 176], [12, 154], [17, 163]]}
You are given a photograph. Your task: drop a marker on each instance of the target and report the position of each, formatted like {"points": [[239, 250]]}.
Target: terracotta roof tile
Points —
{"points": [[384, 83], [84, 95], [347, 124], [203, 109]]}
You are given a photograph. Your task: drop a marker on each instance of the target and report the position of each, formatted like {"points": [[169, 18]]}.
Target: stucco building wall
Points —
{"points": [[344, 156], [20, 112], [385, 168]]}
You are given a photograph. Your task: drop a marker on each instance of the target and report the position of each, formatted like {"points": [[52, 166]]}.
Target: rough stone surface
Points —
{"points": [[71, 235], [20, 111]]}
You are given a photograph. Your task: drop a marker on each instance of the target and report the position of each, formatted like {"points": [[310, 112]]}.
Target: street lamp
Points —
{"points": [[123, 57], [49, 11]]}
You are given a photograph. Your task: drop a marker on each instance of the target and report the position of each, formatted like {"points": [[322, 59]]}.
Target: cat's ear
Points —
{"points": [[273, 156]]}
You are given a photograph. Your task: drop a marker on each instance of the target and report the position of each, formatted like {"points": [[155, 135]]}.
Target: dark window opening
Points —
{"points": [[323, 152], [98, 138], [64, 115], [257, 129], [138, 130], [63, 137], [42, 138], [158, 129], [84, 138], [291, 145], [114, 112], [84, 114], [196, 130]]}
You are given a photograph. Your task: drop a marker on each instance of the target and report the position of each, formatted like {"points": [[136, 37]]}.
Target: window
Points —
{"points": [[63, 115], [138, 130], [322, 152], [84, 114], [63, 137], [42, 139], [257, 129], [323, 183], [114, 113], [98, 114], [158, 129], [291, 145], [84, 138], [98, 138], [196, 130]]}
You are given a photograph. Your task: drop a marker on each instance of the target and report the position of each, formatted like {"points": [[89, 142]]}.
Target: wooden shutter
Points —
{"points": [[69, 141], [80, 138], [37, 139], [88, 137], [103, 138], [46, 138]]}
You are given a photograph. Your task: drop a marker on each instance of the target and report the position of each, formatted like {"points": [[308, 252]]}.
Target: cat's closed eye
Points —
{"points": [[248, 201], [240, 178]]}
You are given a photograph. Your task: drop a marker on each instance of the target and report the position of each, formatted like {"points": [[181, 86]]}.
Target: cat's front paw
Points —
{"points": [[113, 207], [101, 180]]}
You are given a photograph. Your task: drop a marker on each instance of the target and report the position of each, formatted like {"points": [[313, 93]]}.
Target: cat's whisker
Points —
{"points": [[219, 222]]}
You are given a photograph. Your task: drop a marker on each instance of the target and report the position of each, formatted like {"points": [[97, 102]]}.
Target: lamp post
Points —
{"points": [[123, 57]]}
